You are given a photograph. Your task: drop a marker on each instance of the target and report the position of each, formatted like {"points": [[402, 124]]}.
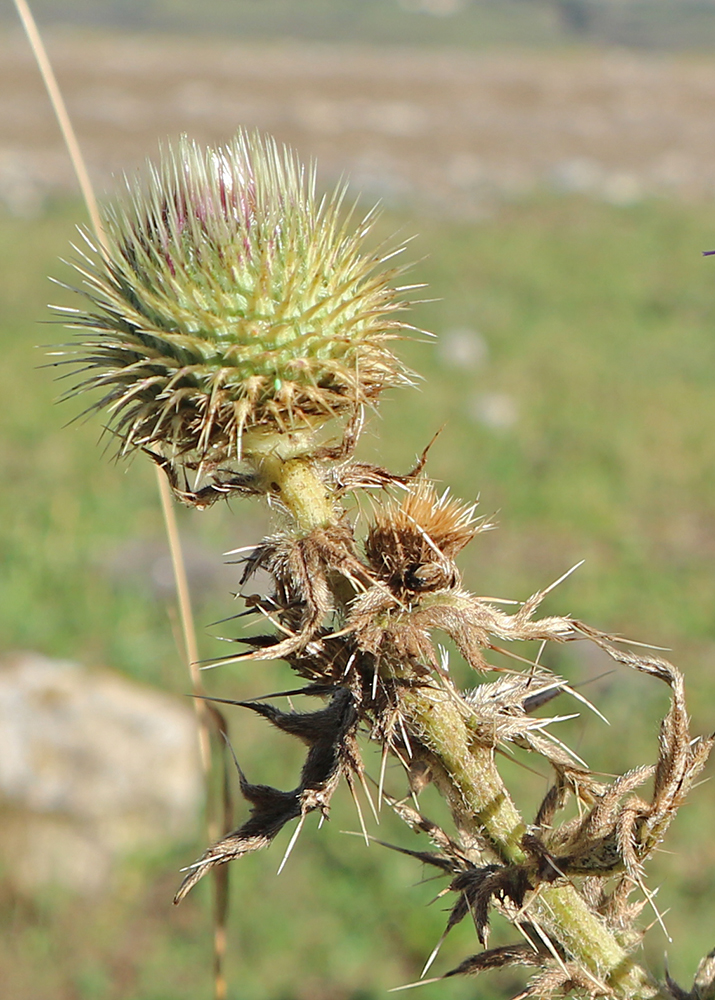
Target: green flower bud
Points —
{"points": [[230, 298]]}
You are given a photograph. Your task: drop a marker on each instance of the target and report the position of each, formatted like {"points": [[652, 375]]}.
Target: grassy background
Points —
{"points": [[598, 325], [598, 321], [660, 24]]}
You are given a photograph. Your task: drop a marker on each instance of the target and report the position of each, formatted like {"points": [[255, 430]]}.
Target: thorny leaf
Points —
{"points": [[614, 835], [617, 834], [476, 885], [350, 475], [304, 570], [497, 958], [271, 810], [333, 752]]}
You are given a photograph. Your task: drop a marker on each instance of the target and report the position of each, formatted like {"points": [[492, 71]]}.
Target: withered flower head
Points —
{"points": [[412, 544], [229, 298]]}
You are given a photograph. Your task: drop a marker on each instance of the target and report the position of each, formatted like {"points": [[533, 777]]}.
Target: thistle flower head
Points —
{"points": [[230, 297], [412, 544]]}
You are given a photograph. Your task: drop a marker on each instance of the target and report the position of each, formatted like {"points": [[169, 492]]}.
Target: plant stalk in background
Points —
{"points": [[234, 328], [203, 714]]}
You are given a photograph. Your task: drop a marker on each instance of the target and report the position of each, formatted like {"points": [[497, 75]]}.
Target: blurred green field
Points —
{"points": [[598, 322], [660, 24]]}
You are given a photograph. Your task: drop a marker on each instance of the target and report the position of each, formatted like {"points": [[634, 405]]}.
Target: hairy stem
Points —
{"points": [[481, 805], [301, 491], [288, 474], [483, 809]]}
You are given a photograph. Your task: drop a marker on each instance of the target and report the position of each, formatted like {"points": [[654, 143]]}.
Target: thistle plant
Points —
{"points": [[234, 328]]}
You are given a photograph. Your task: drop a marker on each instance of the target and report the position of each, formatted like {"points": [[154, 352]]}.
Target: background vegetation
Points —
{"points": [[466, 23], [585, 422]]}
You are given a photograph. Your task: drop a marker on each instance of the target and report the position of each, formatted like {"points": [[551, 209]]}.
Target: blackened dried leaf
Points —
{"points": [[478, 886], [272, 809], [674, 989], [426, 857], [310, 727], [475, 885], [497, 958], [333, 753]]}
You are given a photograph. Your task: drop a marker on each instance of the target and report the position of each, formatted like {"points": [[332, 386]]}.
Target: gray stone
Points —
{"points": [[92, 765]]}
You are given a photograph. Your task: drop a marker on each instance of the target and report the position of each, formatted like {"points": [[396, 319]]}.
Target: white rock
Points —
{"points": [[91, 765]]}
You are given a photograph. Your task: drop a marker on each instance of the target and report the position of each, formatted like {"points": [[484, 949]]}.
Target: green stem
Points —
{"points": [[302, 491], [473, 786], [281, 461], [467, 776]]}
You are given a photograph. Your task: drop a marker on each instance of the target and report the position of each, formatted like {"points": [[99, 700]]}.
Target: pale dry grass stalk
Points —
{"points": [[191, 649], [172, 533], [204, 717]]}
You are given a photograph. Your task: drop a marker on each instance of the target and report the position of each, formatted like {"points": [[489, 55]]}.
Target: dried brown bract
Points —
{"points": [[412, 545]]}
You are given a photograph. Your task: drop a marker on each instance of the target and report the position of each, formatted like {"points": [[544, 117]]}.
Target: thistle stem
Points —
{"points": [[471, 783], [302, 491], [281, 462], [468, 778]]}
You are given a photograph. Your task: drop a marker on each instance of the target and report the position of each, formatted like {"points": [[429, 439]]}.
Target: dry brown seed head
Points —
{"points": [[412, 543]]}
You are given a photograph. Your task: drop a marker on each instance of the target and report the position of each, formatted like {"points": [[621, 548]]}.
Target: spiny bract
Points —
{"points": [[229, 297]]}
